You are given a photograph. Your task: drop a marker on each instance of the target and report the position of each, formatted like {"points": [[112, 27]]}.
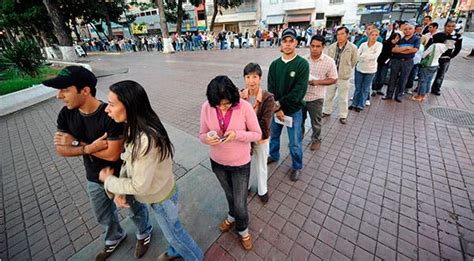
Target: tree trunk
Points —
{"points": [[76, 31], [167, 47], [211, 28], [181, 13], [110, 35], [59, 26]]}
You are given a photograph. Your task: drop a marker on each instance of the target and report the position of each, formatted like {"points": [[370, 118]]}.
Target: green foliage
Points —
{"points": [[12, 82], [23, 58]]}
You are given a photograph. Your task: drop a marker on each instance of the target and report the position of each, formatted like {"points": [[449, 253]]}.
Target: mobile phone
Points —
{"points": [[223, 138]]}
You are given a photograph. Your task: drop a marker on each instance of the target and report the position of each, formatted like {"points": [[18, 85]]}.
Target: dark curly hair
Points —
{"points": [[221, 88]]}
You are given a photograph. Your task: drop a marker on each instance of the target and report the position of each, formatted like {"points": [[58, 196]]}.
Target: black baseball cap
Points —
{"points": [[73, 75], [288, 32]]}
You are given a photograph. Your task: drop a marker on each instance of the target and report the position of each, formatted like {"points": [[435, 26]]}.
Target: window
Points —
{"points": [[319, 16], [154, 12], [201, 15], [273, 2], [336, 1]]}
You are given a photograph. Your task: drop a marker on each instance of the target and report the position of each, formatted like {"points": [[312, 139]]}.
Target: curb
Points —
{"points": [[16, 101]]}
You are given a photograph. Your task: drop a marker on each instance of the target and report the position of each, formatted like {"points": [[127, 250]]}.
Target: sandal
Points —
{"points": [[226, 225], [246, 242]]}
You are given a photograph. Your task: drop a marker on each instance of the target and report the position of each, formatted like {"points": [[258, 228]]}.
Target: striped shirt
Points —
{"points": [[321, 69]]}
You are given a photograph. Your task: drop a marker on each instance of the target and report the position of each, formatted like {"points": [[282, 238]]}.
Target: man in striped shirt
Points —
{"points": [[323, 72]]}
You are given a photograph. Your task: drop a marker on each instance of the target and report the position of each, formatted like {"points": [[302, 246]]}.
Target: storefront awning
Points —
{"points": [[275, 19], [237, 17], [298, 18]]}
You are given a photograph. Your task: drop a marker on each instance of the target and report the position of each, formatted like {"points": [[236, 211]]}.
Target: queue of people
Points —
{"points": [[128, 155]]}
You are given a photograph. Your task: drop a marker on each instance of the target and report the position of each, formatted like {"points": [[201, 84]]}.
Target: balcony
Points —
{"points": [[291, 5]]}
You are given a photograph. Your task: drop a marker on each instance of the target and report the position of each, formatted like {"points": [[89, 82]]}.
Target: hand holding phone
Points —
{"points": [[229, 136]]}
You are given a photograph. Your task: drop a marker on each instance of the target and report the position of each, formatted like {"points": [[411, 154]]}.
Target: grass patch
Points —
{"points": [[12, 83]]}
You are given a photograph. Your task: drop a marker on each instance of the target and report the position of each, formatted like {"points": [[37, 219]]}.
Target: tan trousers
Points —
{"points": [[342, 88]]}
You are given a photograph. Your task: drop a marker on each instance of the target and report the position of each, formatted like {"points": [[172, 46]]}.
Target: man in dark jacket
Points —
{"points": [[453, 42]]}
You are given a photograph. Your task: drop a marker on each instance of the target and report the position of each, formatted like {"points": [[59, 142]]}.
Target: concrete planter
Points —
{"points": [[21, 99]]}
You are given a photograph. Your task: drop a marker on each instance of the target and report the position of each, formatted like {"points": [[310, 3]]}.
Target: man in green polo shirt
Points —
{"points": [[288, 81]]}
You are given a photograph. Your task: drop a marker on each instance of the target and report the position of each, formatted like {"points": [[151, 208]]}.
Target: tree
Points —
{"points": [[175, 13], [167, 47], [224, 4], [61, 31]]}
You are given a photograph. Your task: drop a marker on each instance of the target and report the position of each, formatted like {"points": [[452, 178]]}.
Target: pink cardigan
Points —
{"points": [[245, 124]]}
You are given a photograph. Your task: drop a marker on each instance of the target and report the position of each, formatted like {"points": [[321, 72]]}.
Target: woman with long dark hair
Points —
{"points": [[147, 172], [229, 125], [383, 64]]}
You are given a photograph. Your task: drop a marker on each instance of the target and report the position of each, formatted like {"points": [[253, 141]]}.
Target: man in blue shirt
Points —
{"points": [[402, 63]]}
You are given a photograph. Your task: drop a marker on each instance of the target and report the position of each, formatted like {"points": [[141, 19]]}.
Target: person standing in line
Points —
{"points": [[323, 72], [84, 129], [402, 63], [263, 104], [147, 173], [345, 55], [229, 126], [453, 42], [288, 81], [383, 64], [365, 70]]}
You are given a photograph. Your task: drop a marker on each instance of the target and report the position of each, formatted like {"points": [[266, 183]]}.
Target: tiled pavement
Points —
{"points": [[393, 183]]}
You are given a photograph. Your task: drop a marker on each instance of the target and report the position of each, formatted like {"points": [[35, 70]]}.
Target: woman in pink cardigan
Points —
{"points": [[229, 125]]}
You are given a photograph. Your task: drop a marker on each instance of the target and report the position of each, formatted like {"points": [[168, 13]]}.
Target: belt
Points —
{"points": [[404, 59]]}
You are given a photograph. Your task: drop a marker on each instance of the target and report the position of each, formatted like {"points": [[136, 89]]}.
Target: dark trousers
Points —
{"points": [[235, 182], [380, 76], [442, 69], [315, 109], [411, 78], [400, 70]]}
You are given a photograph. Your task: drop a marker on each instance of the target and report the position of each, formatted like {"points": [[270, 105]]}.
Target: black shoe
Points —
{"points": [[357, 109], [142, 246], [386, 98], [295, 174], [380, 93], [373, 94], [325, 115], [108, 250], [271, 160], [436, 93], [351, 107], [343, 120], [398, 100], [263, 198]]}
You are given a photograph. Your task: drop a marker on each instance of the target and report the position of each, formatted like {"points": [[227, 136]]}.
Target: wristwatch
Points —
{"points": [[75, 143]]}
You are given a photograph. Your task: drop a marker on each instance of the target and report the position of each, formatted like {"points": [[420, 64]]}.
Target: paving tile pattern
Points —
{"points": [[393, 183]]}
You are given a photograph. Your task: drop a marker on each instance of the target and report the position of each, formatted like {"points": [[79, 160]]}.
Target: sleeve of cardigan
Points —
{"points": [[253, 132], [203, 129]]}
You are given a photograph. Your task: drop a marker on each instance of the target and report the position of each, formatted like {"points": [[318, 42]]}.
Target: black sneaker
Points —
{"points": [[295, 174], [108, 250], [271, 160], [264, 198], [142, 246]]}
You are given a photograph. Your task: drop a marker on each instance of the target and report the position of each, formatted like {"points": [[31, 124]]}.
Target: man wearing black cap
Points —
{"points": [[288, 81], [85, 129]]}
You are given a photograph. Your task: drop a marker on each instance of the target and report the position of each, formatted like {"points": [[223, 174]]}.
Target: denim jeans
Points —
{"points": [[426, 76], [295, 138], [362, 88], [315, 109], [181, 243], [234, 181], [106, 214], [400, 70], [442, 69], [411, 78]]}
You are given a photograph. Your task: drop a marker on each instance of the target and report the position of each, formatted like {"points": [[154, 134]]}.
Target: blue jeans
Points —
{"points": [[362, 88], [411, 78], [106, 214], [295, 139], [442, 69], [181, 243], [234, 181], [400, 70], [380, 76], [426, 76]]}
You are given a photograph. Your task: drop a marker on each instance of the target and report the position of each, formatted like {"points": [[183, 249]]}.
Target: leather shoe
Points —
{"points": [[142, 246], [386, 98], [164, 257], [436, 93], [263, 198], [357, 109], [343, 120], [271, 160], [325, 115], [351, 107], [295, 174], [398, 100], [315, 146]]}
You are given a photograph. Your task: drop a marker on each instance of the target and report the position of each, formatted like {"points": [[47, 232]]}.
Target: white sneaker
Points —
{"points": [[367, 103]]}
